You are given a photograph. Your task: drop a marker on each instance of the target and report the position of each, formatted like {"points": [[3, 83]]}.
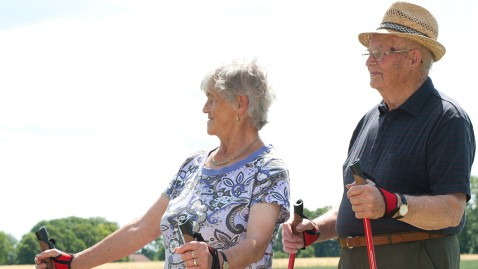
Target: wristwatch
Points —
{"points": [[403, 208], [225, 265]]}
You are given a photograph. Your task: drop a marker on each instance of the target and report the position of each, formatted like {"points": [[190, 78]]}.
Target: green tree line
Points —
{"points": [[74, 234]]}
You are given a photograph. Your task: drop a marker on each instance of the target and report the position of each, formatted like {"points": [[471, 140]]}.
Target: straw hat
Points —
{"points": [[412, 22]]}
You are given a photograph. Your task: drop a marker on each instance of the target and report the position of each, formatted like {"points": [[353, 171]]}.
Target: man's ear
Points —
{"points": [[416, 57]]}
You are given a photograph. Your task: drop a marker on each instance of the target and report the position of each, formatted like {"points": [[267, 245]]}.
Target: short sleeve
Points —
{"points": [[176, 185], [272, 186]]}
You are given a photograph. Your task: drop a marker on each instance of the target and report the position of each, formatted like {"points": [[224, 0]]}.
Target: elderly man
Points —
{"points": [[416, 148]]}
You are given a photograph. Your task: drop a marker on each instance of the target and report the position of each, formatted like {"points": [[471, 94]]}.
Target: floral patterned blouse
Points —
{"points": [[217, 202]]}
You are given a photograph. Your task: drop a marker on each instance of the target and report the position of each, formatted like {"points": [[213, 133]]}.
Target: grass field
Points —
{"points": [[467, 262]]}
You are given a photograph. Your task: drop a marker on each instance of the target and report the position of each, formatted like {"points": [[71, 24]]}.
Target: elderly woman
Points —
{"points": [[234, 197]]}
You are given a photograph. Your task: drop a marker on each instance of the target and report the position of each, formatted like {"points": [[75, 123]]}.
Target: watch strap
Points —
{"points": [[403, 203], [404, 200]]}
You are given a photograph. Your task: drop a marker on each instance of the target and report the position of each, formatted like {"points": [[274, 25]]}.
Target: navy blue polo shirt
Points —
{"points": [[424, 147]]}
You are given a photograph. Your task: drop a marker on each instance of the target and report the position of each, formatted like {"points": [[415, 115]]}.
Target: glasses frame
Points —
{"points": [[378, 55]]}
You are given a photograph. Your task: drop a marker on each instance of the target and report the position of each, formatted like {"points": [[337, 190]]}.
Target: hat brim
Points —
{"points": [[437, 49]]}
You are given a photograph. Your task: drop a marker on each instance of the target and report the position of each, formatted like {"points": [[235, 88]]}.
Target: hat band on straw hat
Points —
{"points": [[400, 28], [412, 22]]}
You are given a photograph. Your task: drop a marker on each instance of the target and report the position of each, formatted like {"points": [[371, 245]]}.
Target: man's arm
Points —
{"points": [[428, 212], [325, 224], [435, 212]]}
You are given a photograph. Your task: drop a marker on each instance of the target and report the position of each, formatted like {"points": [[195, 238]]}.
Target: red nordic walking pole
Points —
{"points": [[291, 261], [360, 180]]}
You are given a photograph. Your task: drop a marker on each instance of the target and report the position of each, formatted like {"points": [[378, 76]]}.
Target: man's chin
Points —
{"points": [[375, 84]]}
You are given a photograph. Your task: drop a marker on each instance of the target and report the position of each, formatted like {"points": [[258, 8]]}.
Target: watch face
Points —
{"points": [[403, 210]]}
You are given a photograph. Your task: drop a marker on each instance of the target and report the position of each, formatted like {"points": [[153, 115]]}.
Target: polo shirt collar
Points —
{"points": [[414, 103]]}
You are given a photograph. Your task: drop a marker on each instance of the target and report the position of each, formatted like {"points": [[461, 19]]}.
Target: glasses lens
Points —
{"points": [[365, 55], [376, 55]]}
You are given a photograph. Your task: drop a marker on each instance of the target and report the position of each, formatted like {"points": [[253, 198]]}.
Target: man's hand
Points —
{"points": [[293, 242], [366, 200]]}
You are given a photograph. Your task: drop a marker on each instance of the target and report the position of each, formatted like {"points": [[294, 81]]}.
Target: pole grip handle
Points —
{"points": [[357, 173], [187, 230], [298, 215], [45, 243]]}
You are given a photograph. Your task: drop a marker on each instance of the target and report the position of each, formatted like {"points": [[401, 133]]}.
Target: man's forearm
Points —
{"points": [[326, 224], [435, 212]]}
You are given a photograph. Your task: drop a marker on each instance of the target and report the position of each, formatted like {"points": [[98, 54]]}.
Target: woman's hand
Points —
{"points": [[195, 255]]}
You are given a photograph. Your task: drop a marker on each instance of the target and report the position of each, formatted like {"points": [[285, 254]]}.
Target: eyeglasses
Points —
{"points": [[378, 55]]}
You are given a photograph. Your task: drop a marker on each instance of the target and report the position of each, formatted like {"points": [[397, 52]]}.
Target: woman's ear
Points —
{"points": [[242, 103]]}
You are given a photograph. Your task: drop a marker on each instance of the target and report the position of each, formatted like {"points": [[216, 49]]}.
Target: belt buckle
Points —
{"points": [[347, 242]]}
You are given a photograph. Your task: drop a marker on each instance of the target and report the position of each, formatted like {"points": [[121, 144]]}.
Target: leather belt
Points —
{"points": [[384, 239]]}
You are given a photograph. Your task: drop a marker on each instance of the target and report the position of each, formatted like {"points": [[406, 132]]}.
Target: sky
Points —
{"points": [[100, 100]]}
